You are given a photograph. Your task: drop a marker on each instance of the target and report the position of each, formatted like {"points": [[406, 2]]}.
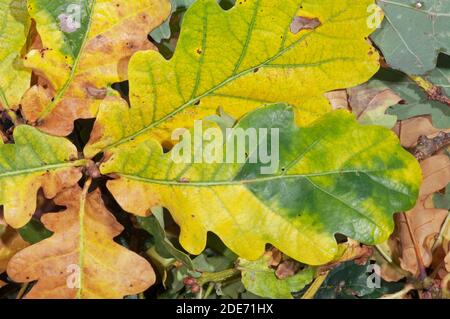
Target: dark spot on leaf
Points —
{"points": [[304, 23]]}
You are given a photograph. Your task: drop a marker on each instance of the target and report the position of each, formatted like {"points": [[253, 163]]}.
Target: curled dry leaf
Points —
{"points": [[370, 101], [416, 231], [81, 60], [410, 131], [338, 99], [81, 259]]}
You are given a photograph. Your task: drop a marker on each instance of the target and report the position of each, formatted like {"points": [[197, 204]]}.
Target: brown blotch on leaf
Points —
{"points": [[98, 94], [304, 23]]}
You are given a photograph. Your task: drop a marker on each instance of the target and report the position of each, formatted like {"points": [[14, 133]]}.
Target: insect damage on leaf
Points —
{"points": [[86, 46], [81, 260], [304, 23], [327, 182], [239, 60]]}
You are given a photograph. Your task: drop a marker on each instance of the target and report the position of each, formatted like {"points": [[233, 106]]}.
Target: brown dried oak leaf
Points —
{"points": [[81, 260]]}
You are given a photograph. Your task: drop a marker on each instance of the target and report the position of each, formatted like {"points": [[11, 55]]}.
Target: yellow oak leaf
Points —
{"points": [[239, 60], [335, 176], [35, 160], [14, 28], [86, 46]]}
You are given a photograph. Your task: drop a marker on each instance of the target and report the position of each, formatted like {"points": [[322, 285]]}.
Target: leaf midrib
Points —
{"points": [[50, 107], [249, 181], [30, 171], [212, 90]]}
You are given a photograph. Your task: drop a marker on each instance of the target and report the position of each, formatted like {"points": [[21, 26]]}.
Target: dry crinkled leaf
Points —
{"points": [[34, 161], [410, 130], [86, 48], [81, 260], [239, 60], [338, 99], [422, 222], [351, 250], [370, 101], [14, 27], [10, 244]]}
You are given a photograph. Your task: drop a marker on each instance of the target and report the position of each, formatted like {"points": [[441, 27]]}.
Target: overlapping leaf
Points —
{"points": [[260, 279], [416, 101], [238, 60], [86, 48], [14, 27], [10, 244], [413, 34], [81, 260], [163, 32], [417, 230], [334, 177], [34, 161]]}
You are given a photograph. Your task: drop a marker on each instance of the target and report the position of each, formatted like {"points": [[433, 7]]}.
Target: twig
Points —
{"points": [[434, 92], [427, 147], [209, 290], [220, 276]]}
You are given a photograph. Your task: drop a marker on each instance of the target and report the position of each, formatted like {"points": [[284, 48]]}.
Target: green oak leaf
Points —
{"points": [[413, 34], [155, 226], [163, 32], [415, 100], [14, 27], [34, 232], [336, 176], [352, 281], [442, 201], [258, 278]]}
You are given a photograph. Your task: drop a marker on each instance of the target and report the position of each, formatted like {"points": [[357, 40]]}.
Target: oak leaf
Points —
{"points": [[413, 34], [10, 244], [86, 48], [259, 278], [240, 59], [35, 160], [417, 230], [14, 77], [81, 260], [335, 176]]}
